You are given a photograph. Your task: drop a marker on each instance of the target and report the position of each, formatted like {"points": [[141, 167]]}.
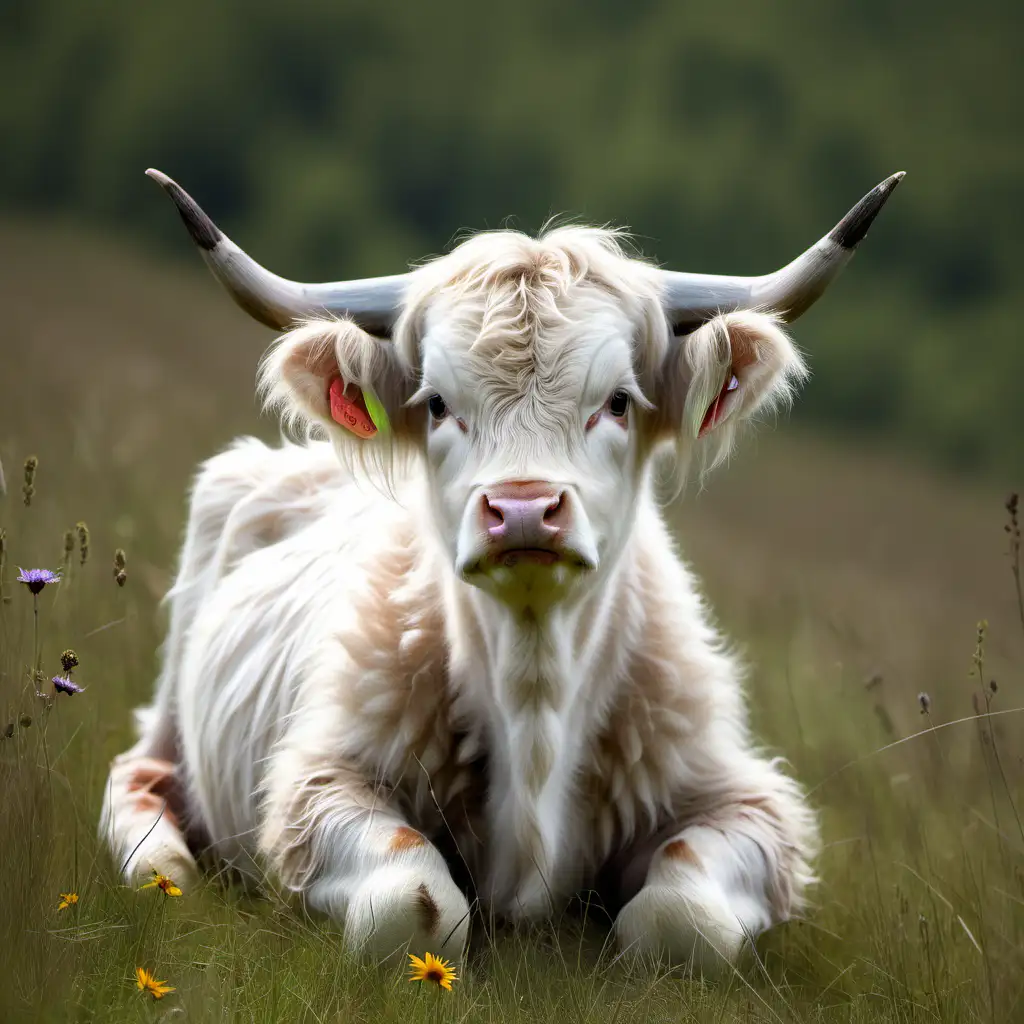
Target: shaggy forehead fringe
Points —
{"points": [[512, 290]]}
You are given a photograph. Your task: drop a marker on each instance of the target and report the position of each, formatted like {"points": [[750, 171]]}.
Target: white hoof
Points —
{"points": [[397, 908], [165, 858], [692, 925]]}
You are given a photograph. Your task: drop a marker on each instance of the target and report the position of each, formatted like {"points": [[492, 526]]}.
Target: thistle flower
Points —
{"points": [[433, 969], [28, 488], [36, 579], [146, 981], [69, 660], [62, 684], [162, 882], [67, 899]]}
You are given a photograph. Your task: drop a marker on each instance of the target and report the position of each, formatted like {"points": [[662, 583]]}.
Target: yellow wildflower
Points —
{"points": [[67, 899], [432, 968], [164, 883], [146, 982]]}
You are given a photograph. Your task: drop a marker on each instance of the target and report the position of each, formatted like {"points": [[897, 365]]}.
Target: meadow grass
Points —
{"points": [[852, 582]]}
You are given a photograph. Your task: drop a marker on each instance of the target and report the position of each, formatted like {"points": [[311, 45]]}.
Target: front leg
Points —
{"points": [[738, 867], [332, 836]]}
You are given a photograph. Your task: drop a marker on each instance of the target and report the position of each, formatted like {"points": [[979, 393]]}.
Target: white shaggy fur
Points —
{"points": [[347, 689]]}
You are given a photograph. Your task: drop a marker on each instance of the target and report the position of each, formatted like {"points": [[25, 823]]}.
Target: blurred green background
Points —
{"points": [[349, 138]]}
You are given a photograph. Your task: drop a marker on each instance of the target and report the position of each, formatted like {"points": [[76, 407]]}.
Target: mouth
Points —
{"points": [[557, 564], [521, 558], [512, 557]]}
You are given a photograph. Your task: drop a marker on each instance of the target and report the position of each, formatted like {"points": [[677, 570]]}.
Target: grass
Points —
{"points": [[852, 580]]}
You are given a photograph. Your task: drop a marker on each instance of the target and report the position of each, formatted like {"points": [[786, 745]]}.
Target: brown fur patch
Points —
{"points": [[154, 782], [429, 911], [680, 849], [150, 774], [405, 838]]}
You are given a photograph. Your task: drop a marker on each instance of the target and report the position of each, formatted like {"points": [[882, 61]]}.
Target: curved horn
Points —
{"points": [[374, 303], [690, 299]]}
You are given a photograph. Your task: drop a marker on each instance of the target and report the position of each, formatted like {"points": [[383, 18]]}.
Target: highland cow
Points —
{"points": [[444, 649]]}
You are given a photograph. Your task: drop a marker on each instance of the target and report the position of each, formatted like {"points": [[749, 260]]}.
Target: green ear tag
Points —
{"points": [[376, 411]]}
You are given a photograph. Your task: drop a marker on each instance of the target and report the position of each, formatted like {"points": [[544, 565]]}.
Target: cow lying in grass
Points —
{"points": [[495, 664]]}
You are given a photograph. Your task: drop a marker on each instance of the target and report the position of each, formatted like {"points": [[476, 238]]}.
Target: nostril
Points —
{"points": [[492, 514], [556, 513], [552, 511]]}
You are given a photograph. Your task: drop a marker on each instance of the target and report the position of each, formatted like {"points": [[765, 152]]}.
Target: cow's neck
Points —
{"points": [[541, 681]]}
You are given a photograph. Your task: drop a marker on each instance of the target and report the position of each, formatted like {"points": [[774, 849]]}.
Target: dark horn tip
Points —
{"points": [[850, 231], [204, 232]]}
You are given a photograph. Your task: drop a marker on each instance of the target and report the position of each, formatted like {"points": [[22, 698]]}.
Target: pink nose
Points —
{"points": [[524, 514]]}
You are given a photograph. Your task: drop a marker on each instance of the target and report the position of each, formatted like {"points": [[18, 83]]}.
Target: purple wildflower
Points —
{"points": [[62, 684], [36, 579]]}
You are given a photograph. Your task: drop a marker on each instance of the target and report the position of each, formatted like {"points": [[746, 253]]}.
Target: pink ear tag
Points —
{"points": [[715, 410], [349, 410]]}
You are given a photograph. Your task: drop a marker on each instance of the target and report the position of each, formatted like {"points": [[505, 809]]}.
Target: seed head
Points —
{"points": [[28, 488], [925, 701], [69, 660], [9, 730], [120, 575], [83, 542], [69, 545], [25, 721]]}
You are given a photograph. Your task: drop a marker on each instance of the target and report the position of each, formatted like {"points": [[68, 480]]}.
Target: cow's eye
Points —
{"points": [[435, 403], [618, 404]]}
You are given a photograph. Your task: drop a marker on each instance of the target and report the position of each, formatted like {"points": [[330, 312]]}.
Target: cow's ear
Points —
{"points": [[728, 370], [332, 375]]}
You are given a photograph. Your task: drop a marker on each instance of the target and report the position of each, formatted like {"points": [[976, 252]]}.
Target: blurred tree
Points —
{"points": [[333, 138]]}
